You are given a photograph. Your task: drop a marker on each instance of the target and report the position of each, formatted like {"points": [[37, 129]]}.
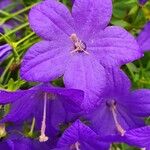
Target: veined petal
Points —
{"points": [[114, 46], [5, 50], [85, 73], [83, 136], [51, 20], [144, 38], [91, 16], [139, 137], [23, 107], [139, 102], [45, 61]]}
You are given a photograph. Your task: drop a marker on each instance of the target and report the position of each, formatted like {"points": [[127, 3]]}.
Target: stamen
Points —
{"points": [[75, 146], [79, 46], [43, 137], [118, 126], [2, 130]]}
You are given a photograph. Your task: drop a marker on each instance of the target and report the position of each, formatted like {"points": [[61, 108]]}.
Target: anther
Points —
{"points": [[118, 126], [43, 137]]}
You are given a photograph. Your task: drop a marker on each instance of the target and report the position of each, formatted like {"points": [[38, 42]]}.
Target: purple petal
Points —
{"points": [[91, 16], [4, 3], [139, 102], [139, 137], [23, 107], [85, 73], [114, 46], [142, 2], [45, 61], [51, 20], [5, 50], [144, 38], [82, 134]]}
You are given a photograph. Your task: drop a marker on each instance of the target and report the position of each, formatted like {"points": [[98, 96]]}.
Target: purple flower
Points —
{"points": [[49, 105], [142, 2], [77, 45], [144, 38], [119, 109], [5, 51], [79, 136]]}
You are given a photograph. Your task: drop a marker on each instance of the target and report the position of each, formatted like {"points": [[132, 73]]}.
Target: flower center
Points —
{"points": [[112, 105], [79, 46], [75, 146], [43, 137]]}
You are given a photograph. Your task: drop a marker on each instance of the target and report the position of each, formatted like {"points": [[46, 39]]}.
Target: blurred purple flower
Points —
{"points": [[78, 45], [80, 137], [5, 51], [119, 110], [142, 2], [49, 105], [144, 38], [4, 3]]}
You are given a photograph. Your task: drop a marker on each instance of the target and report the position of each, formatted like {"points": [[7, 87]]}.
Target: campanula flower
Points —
{"points": [[144, 38], [80, 137], [5, 51], [49, 105], [119, 109], [78, 45]]}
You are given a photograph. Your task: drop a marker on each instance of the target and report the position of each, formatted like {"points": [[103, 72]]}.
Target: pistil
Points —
{"points": [[118, 126], [43, 137]]}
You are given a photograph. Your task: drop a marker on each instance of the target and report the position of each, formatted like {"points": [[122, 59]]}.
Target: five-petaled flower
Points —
{"points": [[78, 45]]}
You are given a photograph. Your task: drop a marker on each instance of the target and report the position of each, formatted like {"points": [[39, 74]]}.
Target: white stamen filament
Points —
{"points": [[118, 126], [77, 146], [43, 137]]}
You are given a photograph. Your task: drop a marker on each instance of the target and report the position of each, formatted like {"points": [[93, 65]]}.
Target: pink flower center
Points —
{"points": [[79, 46]]}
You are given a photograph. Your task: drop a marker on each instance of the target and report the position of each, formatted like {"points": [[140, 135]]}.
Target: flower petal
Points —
{"points": [[5, 50], [81, 133], [23, 107], [44, 61], [139, 137], [51, 20], [114, 46], [91, 16], [85, 73], [144, 38], [139, 102]]}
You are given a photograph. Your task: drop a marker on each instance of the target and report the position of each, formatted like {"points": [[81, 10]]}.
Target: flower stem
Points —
{"points": [[25, 38], [15, 30]]}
